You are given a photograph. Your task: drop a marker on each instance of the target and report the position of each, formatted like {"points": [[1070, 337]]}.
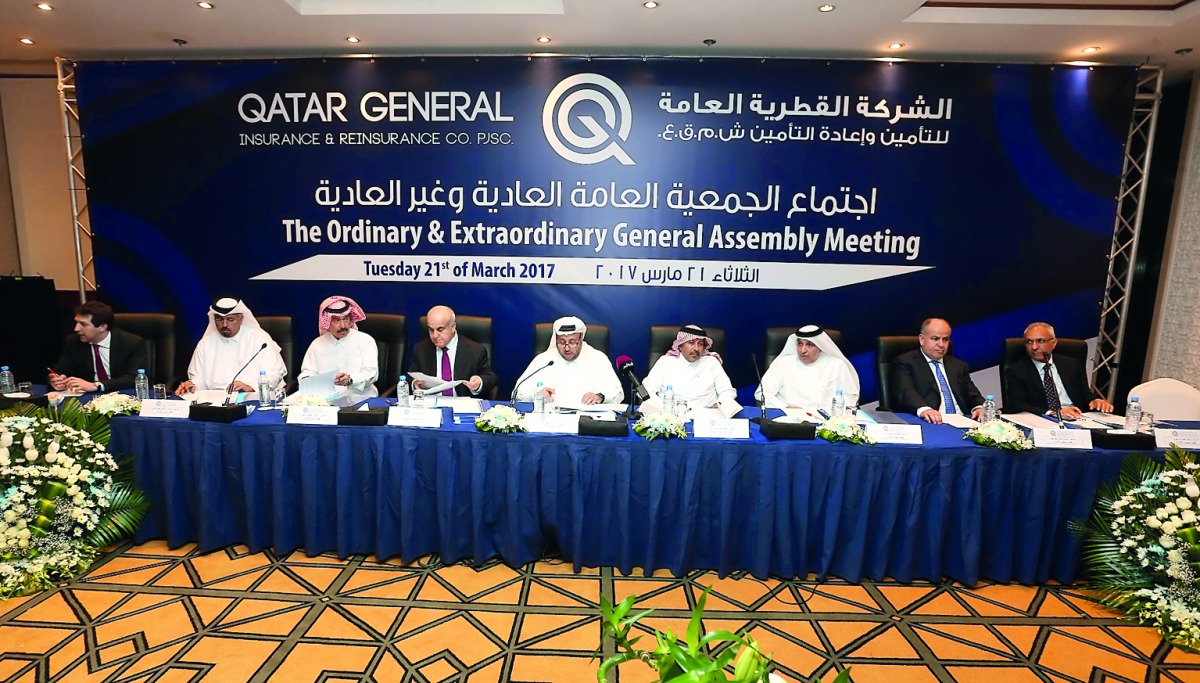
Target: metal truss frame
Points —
{"points": [[77, 179], [1131, 199]]}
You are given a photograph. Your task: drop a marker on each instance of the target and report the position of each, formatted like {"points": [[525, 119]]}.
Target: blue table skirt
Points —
{"points": [[784, 508]]}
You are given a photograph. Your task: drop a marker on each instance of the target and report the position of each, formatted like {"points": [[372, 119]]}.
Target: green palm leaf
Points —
{"points": [[128, 507]]}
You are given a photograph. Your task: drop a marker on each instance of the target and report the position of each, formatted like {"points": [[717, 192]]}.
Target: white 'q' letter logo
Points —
{"points": [[601, 142]]}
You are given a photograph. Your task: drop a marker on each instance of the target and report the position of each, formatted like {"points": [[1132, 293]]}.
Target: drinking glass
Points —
{"points": [[160, 391], [25, 387], [681, 408], [851, 404], [1147, 424]]}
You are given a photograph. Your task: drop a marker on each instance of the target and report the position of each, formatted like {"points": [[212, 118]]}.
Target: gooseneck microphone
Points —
{"points": [[1057, 411], [229, 389], [759, 396], [513, 399], [625, 364]]}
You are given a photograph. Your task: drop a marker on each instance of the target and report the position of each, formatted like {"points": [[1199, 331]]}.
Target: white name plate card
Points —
{"points": [[1184, 438], [312, 415], [707, 428], [161, 407], [414, 417], [1062, 438], [906, 434], [552, 423]]}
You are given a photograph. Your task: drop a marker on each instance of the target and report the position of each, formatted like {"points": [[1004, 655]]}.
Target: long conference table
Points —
{"points": [[947, 508]]}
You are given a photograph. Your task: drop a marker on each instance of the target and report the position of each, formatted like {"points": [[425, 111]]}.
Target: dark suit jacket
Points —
{"points": [[915, 386], [470, 359], [127, 353], [1027, 393]]}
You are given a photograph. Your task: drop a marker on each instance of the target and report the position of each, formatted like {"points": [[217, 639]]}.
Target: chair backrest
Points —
{"points": [[280, 329], [1168, 399], [476, 328], [391, 338], [1014, 351], [158, 329], [887, 348], [597, 337], [777, 336], [662, 336]]}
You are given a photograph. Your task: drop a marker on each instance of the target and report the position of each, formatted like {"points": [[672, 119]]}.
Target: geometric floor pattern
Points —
{"points": [[147, 613]]}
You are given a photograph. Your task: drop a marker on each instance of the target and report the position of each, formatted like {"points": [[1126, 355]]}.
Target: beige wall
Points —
{"points": [[10, 258], [1175, 344], [37, 169]]}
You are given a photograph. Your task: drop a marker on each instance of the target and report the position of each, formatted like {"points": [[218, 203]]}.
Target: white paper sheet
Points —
{"points": [[960, 421], [1029, 420], [319, 385], [435, 385], [1108, 420], [804, 415], [460, 404]]}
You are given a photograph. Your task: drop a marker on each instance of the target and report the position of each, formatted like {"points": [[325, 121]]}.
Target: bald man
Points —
{"points": [[449, 355]]}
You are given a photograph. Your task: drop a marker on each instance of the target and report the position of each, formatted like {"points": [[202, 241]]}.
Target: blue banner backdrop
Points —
{"points": [[733, 193]]}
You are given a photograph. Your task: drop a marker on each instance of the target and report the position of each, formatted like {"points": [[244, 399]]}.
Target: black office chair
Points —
{"points": [[158, 329], [1014, 350], [596, 337], [662, 336], [476, 328], [391, 338], [777, 336], [886, 349], [281, 330]]}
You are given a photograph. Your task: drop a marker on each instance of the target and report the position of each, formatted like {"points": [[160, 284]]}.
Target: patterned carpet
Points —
{"points": [[147, 613]]}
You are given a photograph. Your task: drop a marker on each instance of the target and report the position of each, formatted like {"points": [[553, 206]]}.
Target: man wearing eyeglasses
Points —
{"points": [[232, 351], [571, 370], [931, 383], [1045, 383]]}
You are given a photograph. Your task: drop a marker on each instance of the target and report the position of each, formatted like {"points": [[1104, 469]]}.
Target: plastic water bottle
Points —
{"points": [[989, 408], [8, 383], [539, 399], [141, 385], [1133, 415], [265, 390], [402, 392], [668, 400], [838, 407]]}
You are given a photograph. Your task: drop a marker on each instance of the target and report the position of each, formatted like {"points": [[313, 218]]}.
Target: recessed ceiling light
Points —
{"points": [[351, 39], [1090, 50], [27, 41], [650, 5], [895, 46], [543, 39], [826, 8], [205, 5], [44, 6]]}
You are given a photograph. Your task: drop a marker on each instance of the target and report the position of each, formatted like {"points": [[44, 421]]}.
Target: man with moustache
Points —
{"points": [[233, 337], [98, 357], [808, 372], [449, 355], [930, 383], [1045, 383], [571, 370], [343, 348], [693, 371]]}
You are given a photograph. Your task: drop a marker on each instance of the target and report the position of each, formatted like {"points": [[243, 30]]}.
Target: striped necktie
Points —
{"points": [[944, 386]]}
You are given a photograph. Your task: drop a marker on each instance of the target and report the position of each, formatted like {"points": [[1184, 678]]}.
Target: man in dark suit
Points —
{"points": [[449, 355], [930, 383], [1037, 383], [97, 357]]}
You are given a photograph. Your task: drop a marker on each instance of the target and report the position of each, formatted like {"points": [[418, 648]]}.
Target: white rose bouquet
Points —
{"points": [[843, 428], [500, 419], [659, 425], [999, 434], [114, 404]]}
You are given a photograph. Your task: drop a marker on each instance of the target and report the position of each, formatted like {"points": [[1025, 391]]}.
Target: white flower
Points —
{"points": [[6, 439], [31, 455], [1188, 517], [27, 442], [1166, 542], [1168, 528], [1171, 509], [1128, 543], [1191, 488], [1162, 513], [10, 516]]}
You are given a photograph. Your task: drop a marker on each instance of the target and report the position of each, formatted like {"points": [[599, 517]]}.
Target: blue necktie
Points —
{"points": [[945, 387]]}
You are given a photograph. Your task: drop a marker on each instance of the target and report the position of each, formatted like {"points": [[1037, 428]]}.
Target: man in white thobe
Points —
{"points": [[808, 372], [222, 359], [693, 371], [570, 370], [344, 349]]}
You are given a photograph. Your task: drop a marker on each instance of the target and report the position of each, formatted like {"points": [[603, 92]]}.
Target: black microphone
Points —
{"points": [[513, 399], [229, 389], [762, 402], [625, 365]]}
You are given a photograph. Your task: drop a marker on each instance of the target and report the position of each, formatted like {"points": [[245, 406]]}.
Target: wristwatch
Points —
{"points": [[99, 386], [601, 396]]}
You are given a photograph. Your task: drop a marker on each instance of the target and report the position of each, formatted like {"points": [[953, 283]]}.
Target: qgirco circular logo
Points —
{"points": [[579, 137]]}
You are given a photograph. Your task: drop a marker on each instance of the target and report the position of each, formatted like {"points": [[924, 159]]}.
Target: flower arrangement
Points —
{"points": [[500, 419], [999, 434], [843, 428], [1141, 546], [114, 404], [59, 501], [303, 400], [659, 425]]}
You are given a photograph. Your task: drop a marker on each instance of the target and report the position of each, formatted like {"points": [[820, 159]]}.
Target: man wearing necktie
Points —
{"points": [[1045, 383], [931, 383], [450, 356], [97, 357]]}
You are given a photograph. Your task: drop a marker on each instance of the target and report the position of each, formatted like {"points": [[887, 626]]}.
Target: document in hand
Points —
{"points": [[319, 385], [434, 385]]}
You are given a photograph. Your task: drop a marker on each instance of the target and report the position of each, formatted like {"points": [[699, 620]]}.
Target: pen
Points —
{"points": [[52, 372]]}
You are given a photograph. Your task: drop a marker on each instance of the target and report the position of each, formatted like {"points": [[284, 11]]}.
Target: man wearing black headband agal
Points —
{"points": [[233, 337], [808, 372], [694, 372]]}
